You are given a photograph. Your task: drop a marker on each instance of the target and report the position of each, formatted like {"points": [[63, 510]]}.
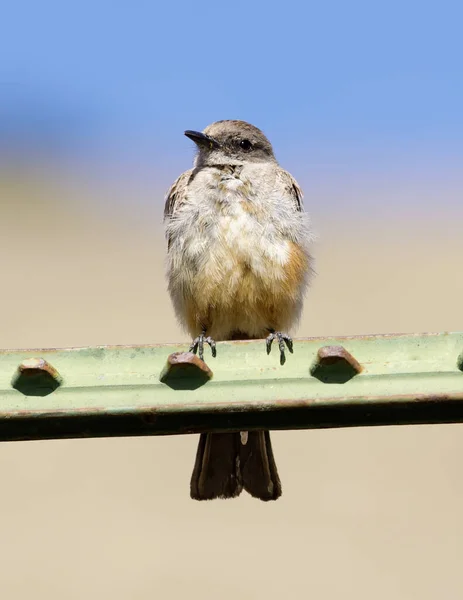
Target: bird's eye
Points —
{"points": [[246, 144]]}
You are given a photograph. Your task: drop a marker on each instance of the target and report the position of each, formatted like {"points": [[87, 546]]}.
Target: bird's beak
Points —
{"points": [[202, 140]]}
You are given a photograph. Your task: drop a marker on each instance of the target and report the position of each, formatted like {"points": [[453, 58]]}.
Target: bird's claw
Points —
{"points": [[197, 345], [282, 338]]}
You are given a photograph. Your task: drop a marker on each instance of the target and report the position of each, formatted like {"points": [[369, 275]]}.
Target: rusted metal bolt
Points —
{"points": [[36, 377], [185, 371], [334, 364]]}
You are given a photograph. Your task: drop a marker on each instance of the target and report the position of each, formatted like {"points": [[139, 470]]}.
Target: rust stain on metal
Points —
{"points": [[370, 336], [330, 355], [150, 412], [184, 370], [38, 364], [365, 337], [188, 358], [334, 364], [36, 377], [370, 400]]}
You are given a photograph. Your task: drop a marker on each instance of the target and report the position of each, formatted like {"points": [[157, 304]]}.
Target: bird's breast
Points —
{"points": [[230, 227], [243, 241]]}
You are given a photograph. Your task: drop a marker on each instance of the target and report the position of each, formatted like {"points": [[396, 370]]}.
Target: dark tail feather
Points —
{"points": [[227, 462], [258, 469], [216, 473]]}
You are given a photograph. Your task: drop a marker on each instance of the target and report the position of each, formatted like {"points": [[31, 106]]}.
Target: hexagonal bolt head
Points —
{"points": [[36, 377], [334, 365], [185, 371]]}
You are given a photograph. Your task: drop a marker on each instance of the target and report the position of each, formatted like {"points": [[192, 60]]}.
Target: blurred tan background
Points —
{"points": [[366, 513]]}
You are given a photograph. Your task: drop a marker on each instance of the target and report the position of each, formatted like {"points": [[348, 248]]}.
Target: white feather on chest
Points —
{"points": [[230, 221]]}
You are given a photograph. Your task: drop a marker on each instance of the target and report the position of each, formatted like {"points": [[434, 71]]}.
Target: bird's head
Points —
{"points": [[231, 142]]}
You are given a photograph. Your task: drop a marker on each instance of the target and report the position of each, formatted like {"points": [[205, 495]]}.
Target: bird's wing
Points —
{"points": [[176, 194], [291, 188]]}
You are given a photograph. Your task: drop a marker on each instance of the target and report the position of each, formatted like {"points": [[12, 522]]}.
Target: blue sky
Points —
{"points": [[331, 83]]}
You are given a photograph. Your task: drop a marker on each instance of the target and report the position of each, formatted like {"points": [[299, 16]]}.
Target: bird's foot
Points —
{"points": [[197, 345], [282, 338]]}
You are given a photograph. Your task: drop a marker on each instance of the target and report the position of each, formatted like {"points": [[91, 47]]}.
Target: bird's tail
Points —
{"points": [[227, 463]]}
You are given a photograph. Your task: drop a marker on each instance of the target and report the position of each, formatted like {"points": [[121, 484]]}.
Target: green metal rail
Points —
{"points": [[150, 390]]}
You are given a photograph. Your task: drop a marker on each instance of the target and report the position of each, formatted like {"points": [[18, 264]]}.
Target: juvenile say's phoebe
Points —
{"points": [[238, 266]]}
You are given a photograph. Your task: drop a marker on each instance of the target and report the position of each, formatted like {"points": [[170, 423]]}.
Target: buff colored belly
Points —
{"points": [[250, 281]]}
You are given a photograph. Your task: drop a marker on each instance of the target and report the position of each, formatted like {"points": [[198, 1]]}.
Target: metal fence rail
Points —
{"points": [[152, 390]]}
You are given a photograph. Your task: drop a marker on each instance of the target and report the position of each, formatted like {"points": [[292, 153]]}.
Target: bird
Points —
{"points": [[238, 266]]}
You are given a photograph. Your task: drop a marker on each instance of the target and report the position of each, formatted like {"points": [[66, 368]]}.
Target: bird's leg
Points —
{"points": [[198, 345], [282, 338]]}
